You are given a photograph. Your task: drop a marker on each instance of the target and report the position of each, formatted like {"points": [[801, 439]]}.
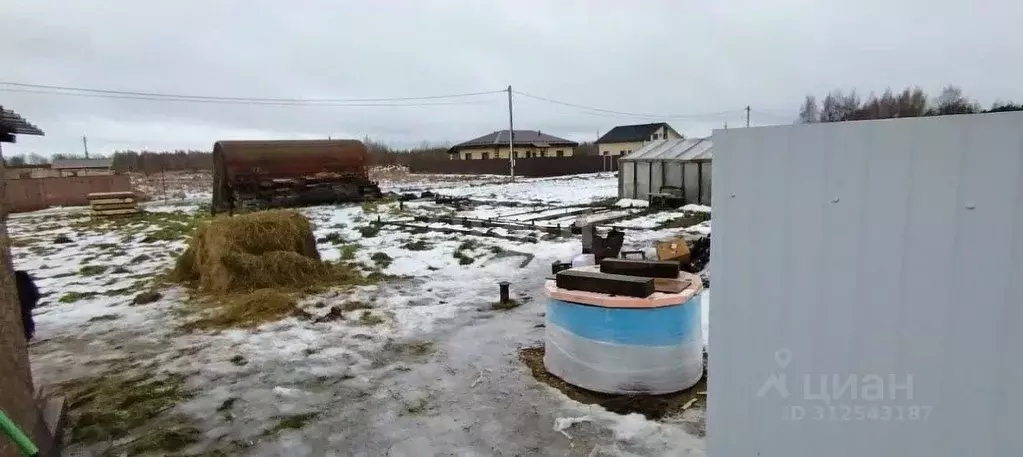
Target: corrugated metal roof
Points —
{"points": [[11, 122], [82, 163], [522, 138], [623, 133], [678, 150]]}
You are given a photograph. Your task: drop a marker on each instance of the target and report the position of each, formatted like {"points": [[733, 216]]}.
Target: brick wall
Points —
{"points": [[36, 194], [533, 167]]}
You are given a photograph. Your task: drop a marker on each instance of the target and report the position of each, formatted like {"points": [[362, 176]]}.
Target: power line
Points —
{"points": [[624, 113], [81, 91], [233, 102]]}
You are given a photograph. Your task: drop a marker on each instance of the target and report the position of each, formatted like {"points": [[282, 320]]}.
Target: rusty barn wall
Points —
{"points": [[533, 167], [35, 194]]}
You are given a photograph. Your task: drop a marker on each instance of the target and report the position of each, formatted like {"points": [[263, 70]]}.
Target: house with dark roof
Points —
{"points": [[624, 139], [528, 143]]}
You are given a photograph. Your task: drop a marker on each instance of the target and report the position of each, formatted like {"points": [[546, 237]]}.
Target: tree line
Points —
{"points": [[839, 106]]}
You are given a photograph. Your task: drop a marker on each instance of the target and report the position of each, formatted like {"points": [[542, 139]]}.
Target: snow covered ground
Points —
{"points": [[438, 375]]}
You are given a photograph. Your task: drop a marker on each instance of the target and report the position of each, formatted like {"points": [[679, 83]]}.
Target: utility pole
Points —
{"points": [[747, 116], [511, 136], [85, 145]]}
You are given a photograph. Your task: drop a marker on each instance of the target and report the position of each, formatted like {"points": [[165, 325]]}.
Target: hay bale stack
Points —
{"points": [[268, 249]]}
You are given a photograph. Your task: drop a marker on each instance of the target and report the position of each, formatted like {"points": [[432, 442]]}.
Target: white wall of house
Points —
{"points": [[502, 152], [618, 149]]}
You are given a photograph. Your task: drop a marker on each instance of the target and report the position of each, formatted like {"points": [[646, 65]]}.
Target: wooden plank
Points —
{"points": [[646, 268], [110, 206], [592, 281], [104, 201], [122, 194], [671, 285]]}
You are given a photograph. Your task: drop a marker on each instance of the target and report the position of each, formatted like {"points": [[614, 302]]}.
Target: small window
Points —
{"points": [[516, 154], [486, 155], [543, 153], [560, 153], [468, 156], [622, 152]]}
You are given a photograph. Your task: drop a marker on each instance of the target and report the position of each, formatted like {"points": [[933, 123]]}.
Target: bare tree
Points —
{"points": [[809, 112], [952, 101]]}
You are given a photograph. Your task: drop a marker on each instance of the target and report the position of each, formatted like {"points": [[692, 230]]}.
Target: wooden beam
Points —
{"points": [[644, 268], [593, 281]]}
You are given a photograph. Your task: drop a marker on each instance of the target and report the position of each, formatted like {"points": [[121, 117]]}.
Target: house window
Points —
{"points": [[607, 153], [543, 153], [468, 156], [560, 153], [486, 155], [622, 152], [516, 154]]}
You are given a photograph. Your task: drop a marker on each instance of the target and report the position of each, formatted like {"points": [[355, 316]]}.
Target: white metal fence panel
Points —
{"points": [[691, 180], [627, 180], [642, 180], [868, 289]]}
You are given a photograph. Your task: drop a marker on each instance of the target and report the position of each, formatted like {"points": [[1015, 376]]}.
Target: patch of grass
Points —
{"points": [[111, 406], [468, 245], [512, 304], [92, 270], [164, 440], [652, 406], [22, 241], [239, 360], [496, 249], [39, 250], [293, 422], [370, 206], [355, 305], [348, 251], [334, 238], [73, 296], [246, 310], [418, 245], [146, 297], [381, 259], [62, 239], [106, 246], [140, 258], [463, 258], [105, 317], [368, 318], [369, 231], [119, 270], [227, 404], [687, 219], [64, 275]]}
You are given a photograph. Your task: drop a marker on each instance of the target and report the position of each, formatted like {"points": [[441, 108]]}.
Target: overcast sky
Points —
{"points": [[671, 59]]}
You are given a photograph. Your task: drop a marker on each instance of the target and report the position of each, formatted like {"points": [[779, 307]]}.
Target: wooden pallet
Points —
{"points": [[107, 204]]}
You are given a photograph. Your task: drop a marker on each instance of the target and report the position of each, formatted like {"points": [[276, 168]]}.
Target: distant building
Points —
{"points": [[528, 143], [625, 139], [31, 171], [83, 167]]}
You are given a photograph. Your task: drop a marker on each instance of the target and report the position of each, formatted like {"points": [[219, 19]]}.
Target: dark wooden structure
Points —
{"points": [[18, 397], [289, 173]]}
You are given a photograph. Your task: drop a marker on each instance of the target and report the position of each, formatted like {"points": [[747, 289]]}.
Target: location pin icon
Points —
{"points": [[783, 357]]}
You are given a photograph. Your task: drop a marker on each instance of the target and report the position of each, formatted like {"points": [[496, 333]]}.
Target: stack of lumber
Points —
{"points": [[113, 203], [624, 277]]}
